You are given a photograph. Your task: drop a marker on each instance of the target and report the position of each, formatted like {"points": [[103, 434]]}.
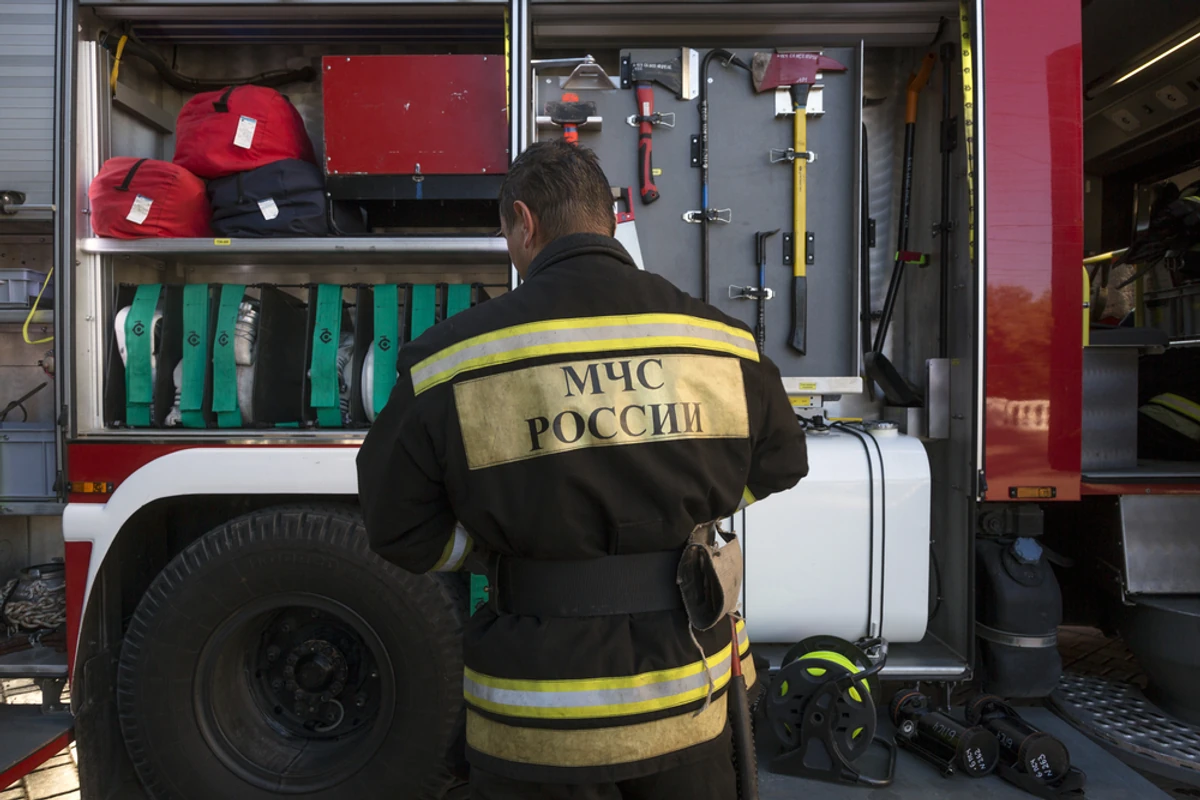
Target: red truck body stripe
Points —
{"points": [[78, 559]]}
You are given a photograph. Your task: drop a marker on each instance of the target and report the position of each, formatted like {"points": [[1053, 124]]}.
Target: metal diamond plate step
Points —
{"points": [[1118, 716]]}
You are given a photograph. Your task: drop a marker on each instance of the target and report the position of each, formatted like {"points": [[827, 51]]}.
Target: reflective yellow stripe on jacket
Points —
{"points": [[581, 335], [747, 498], [602, 698], [454, 554]]}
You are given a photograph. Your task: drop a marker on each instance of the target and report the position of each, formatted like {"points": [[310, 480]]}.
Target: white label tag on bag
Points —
{"points": [[245, 132], [139, 210], [268, 208]]}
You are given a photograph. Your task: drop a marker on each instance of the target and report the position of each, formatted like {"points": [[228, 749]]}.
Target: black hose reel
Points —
{"points": [[820, 714]]}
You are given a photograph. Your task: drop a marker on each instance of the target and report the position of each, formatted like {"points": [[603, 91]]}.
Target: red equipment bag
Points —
{"points": [[238, 129], [140, 198]]}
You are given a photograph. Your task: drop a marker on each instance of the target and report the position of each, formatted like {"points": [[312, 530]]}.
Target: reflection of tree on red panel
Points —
{"points": [[1018, 336]]}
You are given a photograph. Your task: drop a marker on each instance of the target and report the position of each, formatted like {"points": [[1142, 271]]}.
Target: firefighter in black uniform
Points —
{"points": [[572, 434]]}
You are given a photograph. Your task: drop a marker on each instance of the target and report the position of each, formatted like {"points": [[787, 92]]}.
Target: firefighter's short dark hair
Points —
{"points": [[564, 187]]}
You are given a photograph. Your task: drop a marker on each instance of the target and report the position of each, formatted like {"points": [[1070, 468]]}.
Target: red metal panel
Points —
{"points": [[1034, 245], [78, 556], [385, 115]]}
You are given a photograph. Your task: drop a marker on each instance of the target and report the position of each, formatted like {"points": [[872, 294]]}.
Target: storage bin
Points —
{"points": [[18, 287], [27, 461]]}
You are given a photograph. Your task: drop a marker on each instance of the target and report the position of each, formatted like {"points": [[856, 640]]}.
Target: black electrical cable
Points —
{"points": [[938, 34], [841, 426], [110, 40], [937, 577], [702, 107], [882, 529]]}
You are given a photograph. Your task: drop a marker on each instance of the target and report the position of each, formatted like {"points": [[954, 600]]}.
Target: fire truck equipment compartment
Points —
{"points": [[139, 198], [845, 552], [415, 127], [239, 129]]}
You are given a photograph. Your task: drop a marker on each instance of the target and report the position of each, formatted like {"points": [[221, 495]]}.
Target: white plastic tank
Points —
{"points": [[845, 552]]}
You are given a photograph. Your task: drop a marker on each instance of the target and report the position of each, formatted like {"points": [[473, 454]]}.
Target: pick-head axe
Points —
{"points": [[677, 75], [797, 71]]}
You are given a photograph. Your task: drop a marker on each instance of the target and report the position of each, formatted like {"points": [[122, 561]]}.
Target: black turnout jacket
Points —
{"points": [[596, 410]]}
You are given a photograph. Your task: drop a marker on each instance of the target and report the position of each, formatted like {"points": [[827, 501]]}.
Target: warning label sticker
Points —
{"points": [[245, 132], [139, 210]]}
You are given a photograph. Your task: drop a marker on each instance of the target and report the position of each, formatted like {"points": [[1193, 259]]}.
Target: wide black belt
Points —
{"points": [[593, 587]]}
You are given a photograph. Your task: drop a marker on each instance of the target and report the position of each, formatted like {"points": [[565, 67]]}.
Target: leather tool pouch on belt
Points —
{"points": [[710, 578]]}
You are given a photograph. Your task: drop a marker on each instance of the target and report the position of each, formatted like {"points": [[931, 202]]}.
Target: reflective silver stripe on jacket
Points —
{"points": [[581, 335]]}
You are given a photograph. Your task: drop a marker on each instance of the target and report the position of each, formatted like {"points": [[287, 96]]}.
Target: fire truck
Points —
{"points": [[964, 241]]}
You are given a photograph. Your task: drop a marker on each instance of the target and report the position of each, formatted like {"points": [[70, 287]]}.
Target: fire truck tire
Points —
{"points": [[277, 656]]}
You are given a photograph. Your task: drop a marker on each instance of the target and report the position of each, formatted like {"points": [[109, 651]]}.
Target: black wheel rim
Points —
{"points": [[294, 692]]}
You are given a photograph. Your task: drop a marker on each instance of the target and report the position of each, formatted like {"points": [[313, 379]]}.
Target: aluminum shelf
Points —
{"points": [[36, 662], [31, 508], [434, 251], [17, 316]]}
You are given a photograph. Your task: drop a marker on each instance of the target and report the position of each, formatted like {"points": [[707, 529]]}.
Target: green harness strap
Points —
{"points": [[458, 298], [195, 354], [225, 398], [323, 377], [424, 303], [139, 339], [387, 340]]}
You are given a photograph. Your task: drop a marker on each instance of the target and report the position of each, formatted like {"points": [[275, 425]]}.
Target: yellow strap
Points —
{"points": [[33, 310], [112, 79], [1109, 256], [508, 67], [968, 80], [1087, 311]]}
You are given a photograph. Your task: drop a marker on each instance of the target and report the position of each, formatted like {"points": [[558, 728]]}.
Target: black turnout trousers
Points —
{"points": [[710, 779]]}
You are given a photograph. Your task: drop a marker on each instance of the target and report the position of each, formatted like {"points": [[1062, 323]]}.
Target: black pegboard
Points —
{"points": [[743, 129]]}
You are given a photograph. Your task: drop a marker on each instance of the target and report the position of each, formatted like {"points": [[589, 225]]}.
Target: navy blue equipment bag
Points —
{"points": [[284, 198]]}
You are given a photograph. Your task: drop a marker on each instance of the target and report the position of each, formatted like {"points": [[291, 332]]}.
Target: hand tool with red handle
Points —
{"points": [[646, 119], [676, 75]]}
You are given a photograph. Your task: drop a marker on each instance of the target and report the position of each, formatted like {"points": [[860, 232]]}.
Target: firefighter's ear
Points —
{"points": [[527, 223]]}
